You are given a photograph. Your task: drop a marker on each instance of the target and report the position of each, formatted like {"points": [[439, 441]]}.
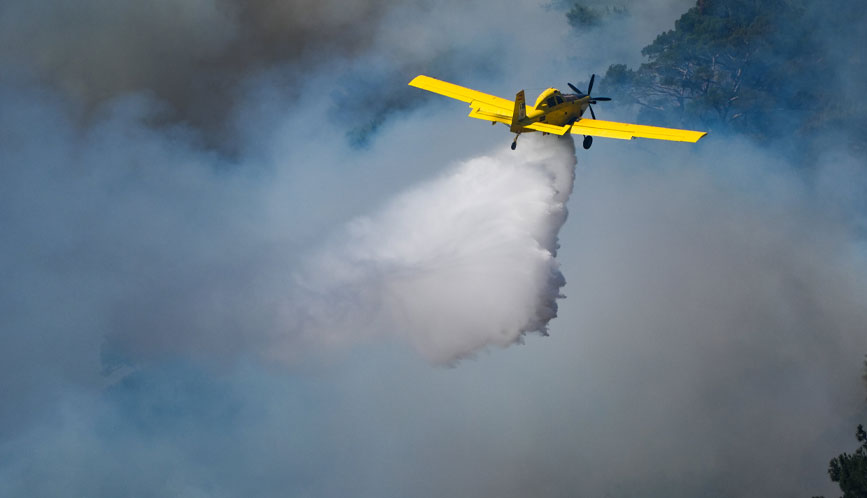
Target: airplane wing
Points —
{"points": [[626, 131], [485, 106]]}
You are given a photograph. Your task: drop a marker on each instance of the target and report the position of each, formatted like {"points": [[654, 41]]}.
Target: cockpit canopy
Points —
{"points": [[549, 98]]}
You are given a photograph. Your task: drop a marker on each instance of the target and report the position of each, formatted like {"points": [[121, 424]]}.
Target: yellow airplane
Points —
{"points": [[554, 112]]}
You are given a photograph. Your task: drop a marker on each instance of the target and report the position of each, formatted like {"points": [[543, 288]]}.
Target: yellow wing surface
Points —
{"points": [[492, 108], [485, 106], [626, 131]]}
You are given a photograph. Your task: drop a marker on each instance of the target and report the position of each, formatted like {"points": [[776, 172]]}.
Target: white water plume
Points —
{"points": [[452, 266]]}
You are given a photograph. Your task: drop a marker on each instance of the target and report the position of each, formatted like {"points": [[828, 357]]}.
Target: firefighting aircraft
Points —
{"points": [[554, 112]]}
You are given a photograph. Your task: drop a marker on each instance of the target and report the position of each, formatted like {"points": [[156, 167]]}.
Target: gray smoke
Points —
{"points": [[168, 313], [193, 55]]}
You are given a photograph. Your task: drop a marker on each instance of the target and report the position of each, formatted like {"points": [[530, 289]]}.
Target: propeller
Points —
{"points": [[592, 100]]}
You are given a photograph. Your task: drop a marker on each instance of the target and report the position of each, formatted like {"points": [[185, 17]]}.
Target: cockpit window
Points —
{"points": [[551, 102], [559, 100]]}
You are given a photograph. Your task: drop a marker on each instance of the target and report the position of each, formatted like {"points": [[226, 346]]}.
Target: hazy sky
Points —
{"points": [[240, 257]]}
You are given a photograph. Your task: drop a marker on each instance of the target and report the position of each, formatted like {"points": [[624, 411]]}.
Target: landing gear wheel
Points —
{"points": [[515, 141], [588, 141]]}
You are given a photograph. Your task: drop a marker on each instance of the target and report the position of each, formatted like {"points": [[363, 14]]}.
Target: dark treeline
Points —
{"points": [[849, 470], [769, 69]]}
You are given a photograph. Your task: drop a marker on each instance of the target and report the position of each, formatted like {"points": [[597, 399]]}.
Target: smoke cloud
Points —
{"points": [[169, 311], [193, 55]]}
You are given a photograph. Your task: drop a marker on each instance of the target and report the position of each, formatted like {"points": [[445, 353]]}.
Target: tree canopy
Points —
{"points": [[757, 67], [850, 470]]}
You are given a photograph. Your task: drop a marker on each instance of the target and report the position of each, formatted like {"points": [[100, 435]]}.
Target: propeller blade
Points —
{"points": [[601, 99], [590, 87], [574, 89], [591, 111]]}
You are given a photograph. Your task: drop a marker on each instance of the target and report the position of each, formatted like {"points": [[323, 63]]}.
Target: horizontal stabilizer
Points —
{"points": [[489, 114], [548, 128]]}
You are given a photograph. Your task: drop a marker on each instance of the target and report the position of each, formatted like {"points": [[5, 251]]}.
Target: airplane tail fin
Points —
{"points": [[520, 113]]}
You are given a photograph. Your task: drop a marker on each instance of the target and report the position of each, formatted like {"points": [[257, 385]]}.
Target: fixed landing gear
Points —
{"points": [[588, 141], [515, 142]]}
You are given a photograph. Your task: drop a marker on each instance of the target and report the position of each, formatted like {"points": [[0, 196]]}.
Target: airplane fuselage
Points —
{"points": [[556, 108]]}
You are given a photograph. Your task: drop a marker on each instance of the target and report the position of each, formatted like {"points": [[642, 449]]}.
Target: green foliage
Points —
{"points": [[768, 69], [850, 470], [581, 15], [746, 65]]}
